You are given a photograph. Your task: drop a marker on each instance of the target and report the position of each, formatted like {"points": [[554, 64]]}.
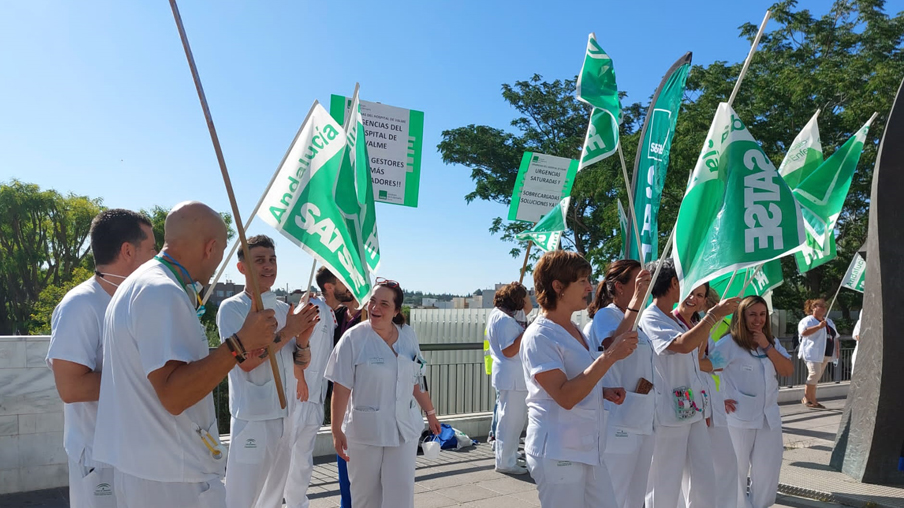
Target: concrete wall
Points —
{"points": [[31, 418]]}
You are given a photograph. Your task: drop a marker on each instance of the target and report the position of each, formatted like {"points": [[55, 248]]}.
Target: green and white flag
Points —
{"points": [[737, 211], [821, 196], [596, 87], [804, 155], [302, 202], [354, 188], [547, 232], [623, 228], [766, 277], [855, 278]]}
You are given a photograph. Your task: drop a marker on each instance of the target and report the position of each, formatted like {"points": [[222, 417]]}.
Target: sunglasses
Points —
{"points": [[380, 281]]}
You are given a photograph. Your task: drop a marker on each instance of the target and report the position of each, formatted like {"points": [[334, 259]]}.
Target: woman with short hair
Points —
{"points": [[566, 430], [376, 370], [818, 346], [752, 359], [681, 439], [504, 336]]}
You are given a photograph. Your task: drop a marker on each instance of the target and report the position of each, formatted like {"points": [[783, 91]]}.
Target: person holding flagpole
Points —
{"points": [[682, 440], [378, 391], [566, 430], [818, 346], [629, 436]]}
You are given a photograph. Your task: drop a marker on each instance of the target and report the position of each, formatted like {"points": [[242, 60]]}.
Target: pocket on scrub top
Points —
{"points": [[748, 407], [261, 399], [250, 444], [576, 432], [99, 487], [635, 413], [213, 495]]}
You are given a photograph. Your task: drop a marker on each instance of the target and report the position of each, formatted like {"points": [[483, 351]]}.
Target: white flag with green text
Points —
{"points": [[547, 232], [596, 87]]}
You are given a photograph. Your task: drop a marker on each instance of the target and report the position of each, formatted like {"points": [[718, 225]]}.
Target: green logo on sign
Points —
{"points": [[536, 158], [384, 194]]}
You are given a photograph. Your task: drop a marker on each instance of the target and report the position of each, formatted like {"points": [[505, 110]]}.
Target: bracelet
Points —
{"points": [[633, 310], [768, 347], [234, 349], [238, 343], [431, 412]]}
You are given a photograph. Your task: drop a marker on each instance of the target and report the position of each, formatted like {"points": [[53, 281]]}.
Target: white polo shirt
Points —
{"points": [[76, 336], [382, 408], [553, 432], [677, 382], [502, 330], [149, 322]]}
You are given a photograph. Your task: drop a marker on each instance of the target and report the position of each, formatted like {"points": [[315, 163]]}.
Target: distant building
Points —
{"points": [[223, 290]]}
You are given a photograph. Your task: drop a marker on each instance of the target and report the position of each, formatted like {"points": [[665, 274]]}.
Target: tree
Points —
{"points": [[50, 297], [42, 240], [847, 62]]}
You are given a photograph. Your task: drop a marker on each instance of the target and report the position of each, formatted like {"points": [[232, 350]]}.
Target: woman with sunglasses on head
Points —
{"points": [[504, 336], [377, 374], [752, 359], [566, 429], [818, 346], [629, 437]]}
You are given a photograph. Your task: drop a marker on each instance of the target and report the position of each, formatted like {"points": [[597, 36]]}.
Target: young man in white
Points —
{"points": [[121, 241], [261, 432], [307, 415], [155, 419]]}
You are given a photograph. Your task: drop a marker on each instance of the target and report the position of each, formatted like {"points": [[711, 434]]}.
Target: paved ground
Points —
{"points": [[467, 479]]}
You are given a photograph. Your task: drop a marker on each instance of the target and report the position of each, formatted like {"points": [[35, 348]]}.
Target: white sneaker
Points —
{"points": [[514, 470]]}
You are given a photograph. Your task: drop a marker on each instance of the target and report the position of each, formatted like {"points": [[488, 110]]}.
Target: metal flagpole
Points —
{"points": [[756, 42], [255, 290], [624, 169]]}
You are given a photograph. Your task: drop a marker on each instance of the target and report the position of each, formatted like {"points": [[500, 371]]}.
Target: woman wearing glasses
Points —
{"points": [[566, 429], [752, 359], [504, 335], [377, 373], [818, 346]]}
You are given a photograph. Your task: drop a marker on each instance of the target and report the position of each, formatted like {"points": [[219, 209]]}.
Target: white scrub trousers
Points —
{"points": [[382, 476], [512, 411], [677, 448], [90, 487], [302, 465], [563, 483], [760, 452], [258, 463], [134, 492], [629, 471], [725, 481]]}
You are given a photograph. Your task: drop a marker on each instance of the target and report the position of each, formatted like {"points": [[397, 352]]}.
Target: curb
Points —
{"points": [[827, 497]]}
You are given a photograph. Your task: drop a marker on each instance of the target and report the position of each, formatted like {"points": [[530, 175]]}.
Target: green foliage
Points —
{"points": [[406, 311], [847, 62], [42, 240], [50, 297]]}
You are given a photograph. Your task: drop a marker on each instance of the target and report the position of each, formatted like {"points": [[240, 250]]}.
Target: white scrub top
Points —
{"points": [[635, 414], [813, 347], [149, 322], [252, 395], [76, 336], [382, 407], [552, 431], [502, 330], [677, 383], [321, 343], [749, 378], [716, 394]]}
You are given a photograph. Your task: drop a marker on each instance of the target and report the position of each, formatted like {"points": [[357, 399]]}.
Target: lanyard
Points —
{"points": [[198, 305]]}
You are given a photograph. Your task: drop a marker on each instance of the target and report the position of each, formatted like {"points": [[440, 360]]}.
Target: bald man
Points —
{"points": [[156, 423]]}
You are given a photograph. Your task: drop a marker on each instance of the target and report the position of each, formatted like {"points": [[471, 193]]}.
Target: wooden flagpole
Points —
{"points": [[624, 169], [756, 42], [526, 257], [256, 302]]}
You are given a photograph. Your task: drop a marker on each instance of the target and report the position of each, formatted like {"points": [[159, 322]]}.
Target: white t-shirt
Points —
{"points": [[502, 330], [76, 336], [382, 408], [750, 379], [677, 381], [553, 432], [252, 395], [321, 343], [149, 322], [813, 346], [635, 414]]}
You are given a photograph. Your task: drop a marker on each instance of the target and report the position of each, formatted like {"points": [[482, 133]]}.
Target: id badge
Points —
{"points": [[683, 403]]}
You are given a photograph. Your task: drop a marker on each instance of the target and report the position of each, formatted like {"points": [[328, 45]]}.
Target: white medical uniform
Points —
{"points": [[76, 336], [756, 424], [856, 346], [260, 432], [307, 416], [508, 380], [564, 447], [384, 422], [682, 440], [629, 432], [160, 458], [813, 347]]}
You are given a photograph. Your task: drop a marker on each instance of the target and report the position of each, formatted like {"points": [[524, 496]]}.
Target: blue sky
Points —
{"points": [[96, 98]]}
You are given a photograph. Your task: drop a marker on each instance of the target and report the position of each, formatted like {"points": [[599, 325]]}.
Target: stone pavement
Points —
{"points": [[466, 478]]}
